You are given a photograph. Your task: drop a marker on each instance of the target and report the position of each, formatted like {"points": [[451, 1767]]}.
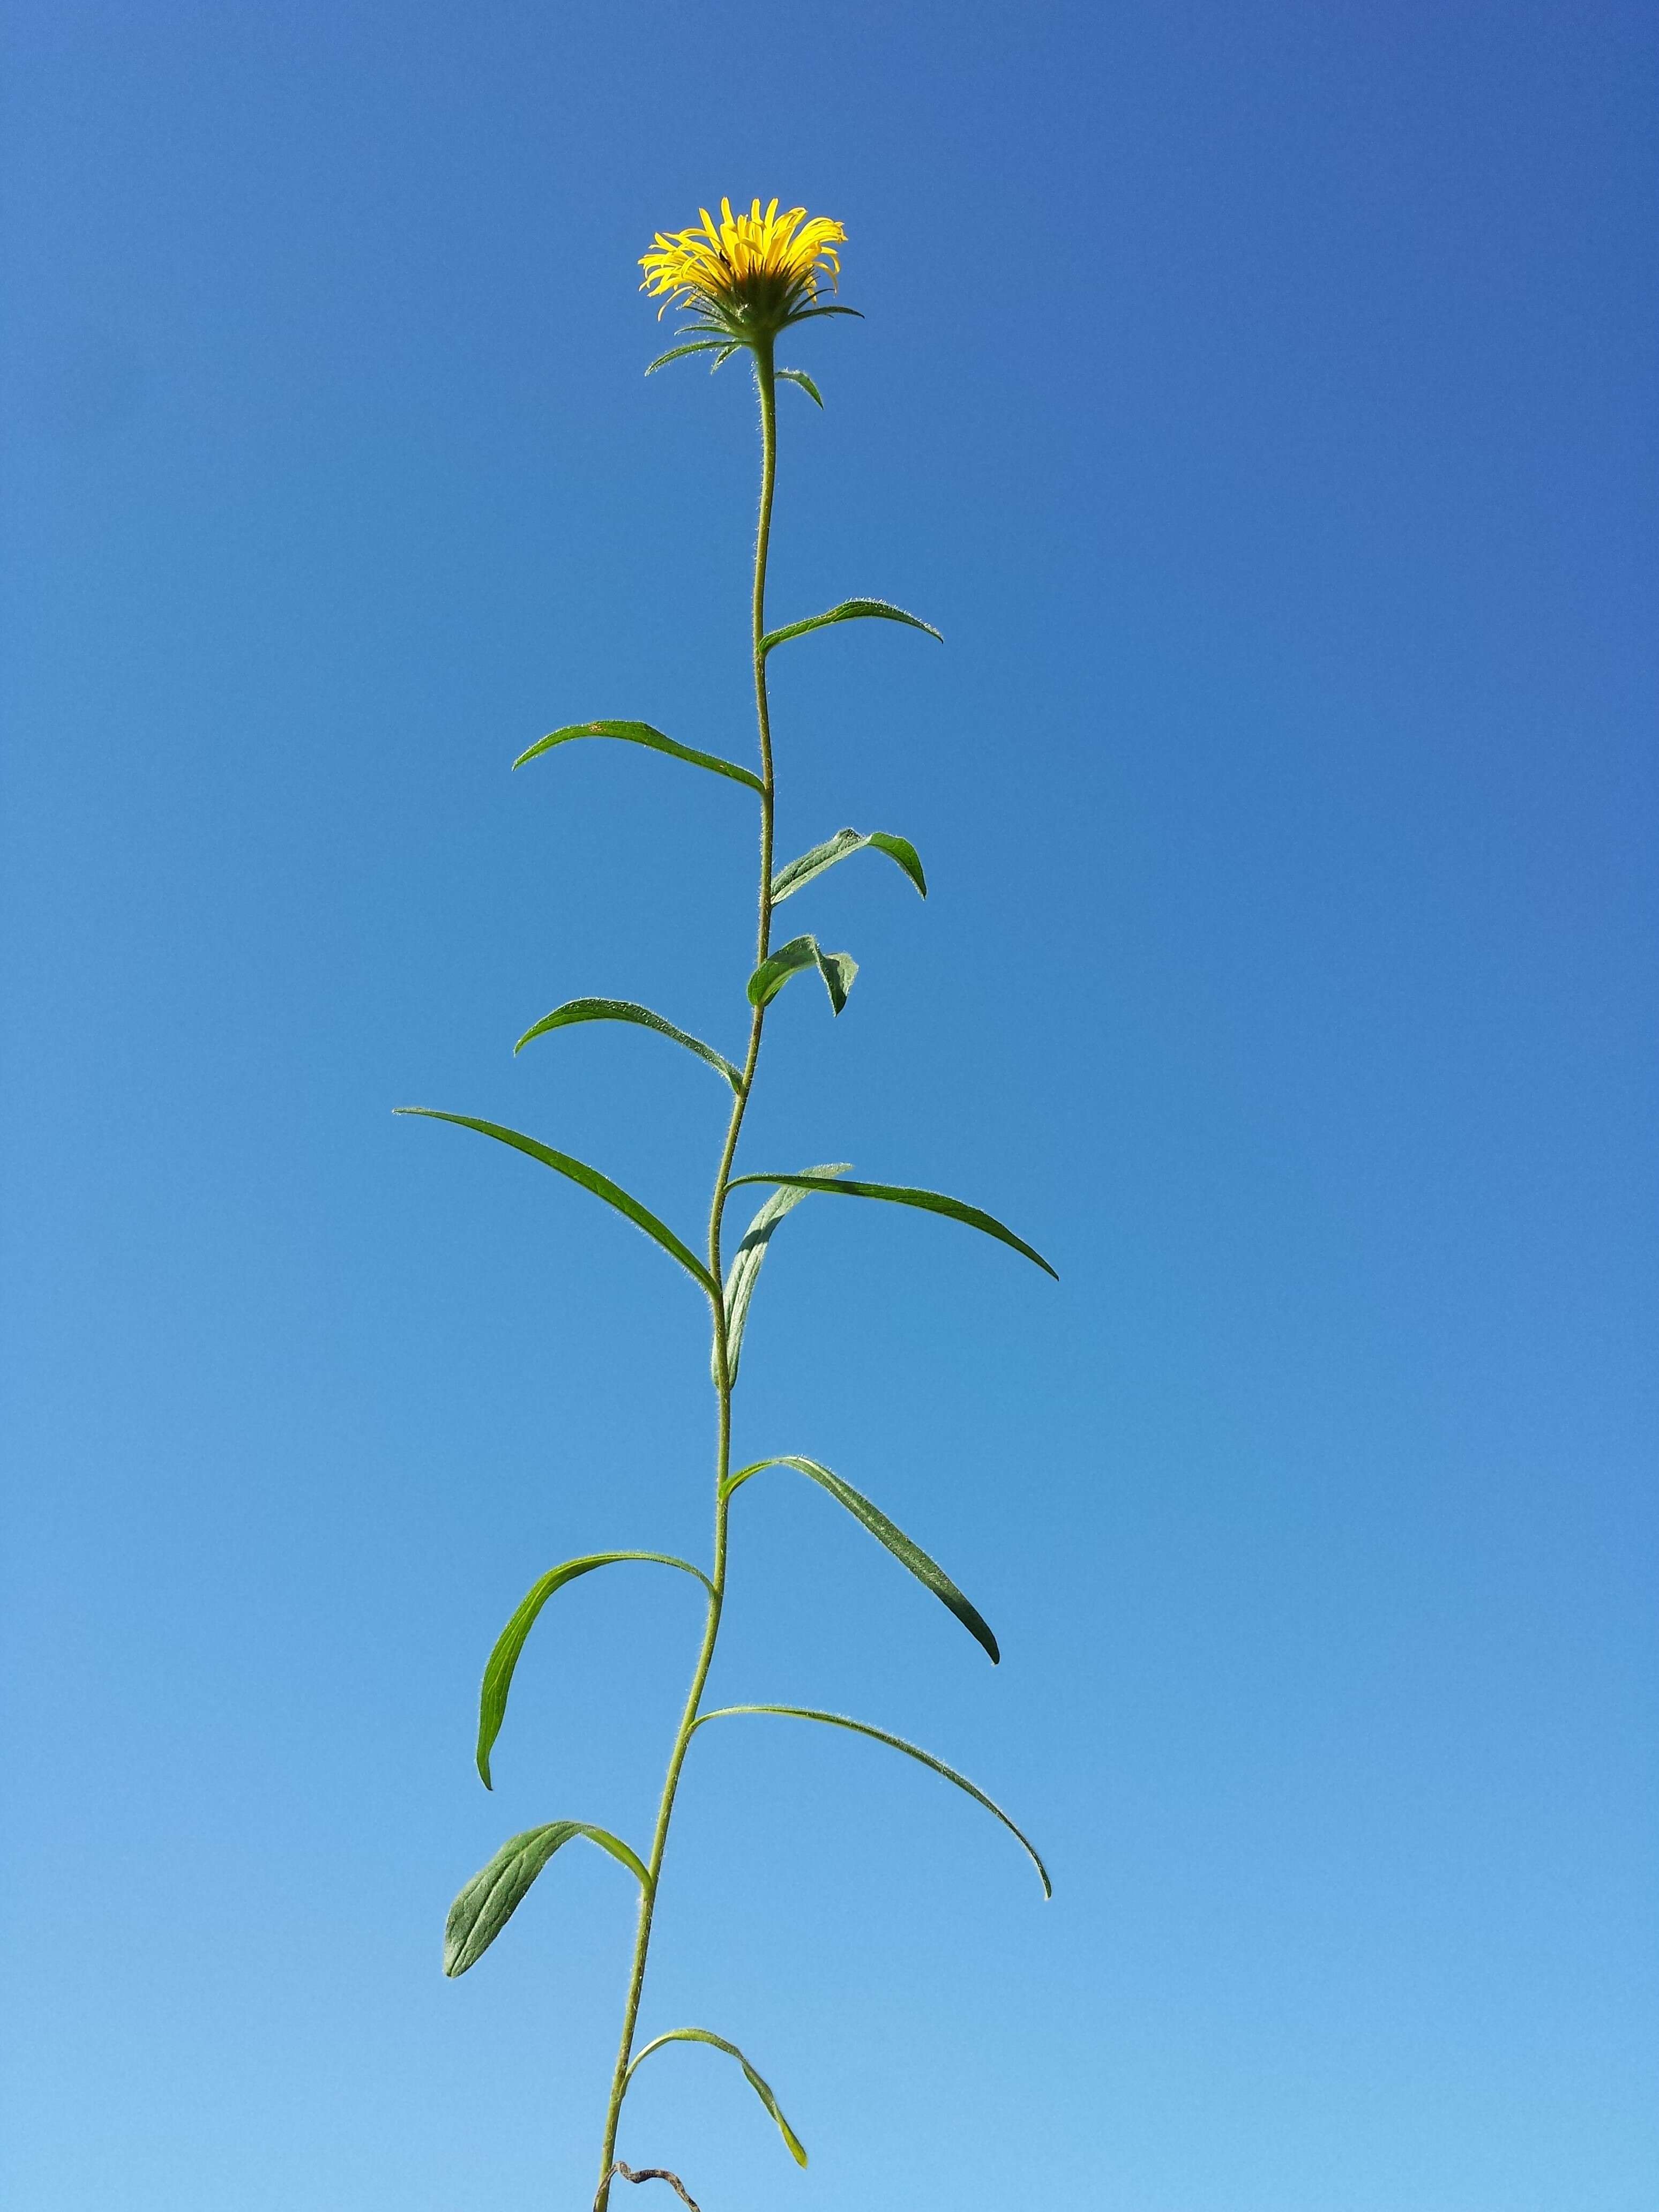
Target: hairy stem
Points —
{"points": [[765, 382]]}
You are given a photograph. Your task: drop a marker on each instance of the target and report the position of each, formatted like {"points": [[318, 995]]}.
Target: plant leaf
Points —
{"points": [[897, 1743], [848, 610], [677, 353], [789, 878], [641, 734], [589, 1178], [624, 1010], [760, 2089], [800, 376], [837, 969], [931, 1201], [744, 1271], [498, 1670], [496, 1891], [926, 1570]]}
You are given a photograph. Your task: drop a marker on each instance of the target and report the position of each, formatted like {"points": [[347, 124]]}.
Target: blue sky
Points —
{"points": [[1261, 402]]}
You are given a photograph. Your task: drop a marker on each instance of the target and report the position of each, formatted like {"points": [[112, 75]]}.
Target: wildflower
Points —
{"points": [[746, 277]]}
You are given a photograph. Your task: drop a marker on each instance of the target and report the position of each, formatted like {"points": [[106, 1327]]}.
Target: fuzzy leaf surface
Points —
{"points": [[761, 2088], [894, 1743], [790, 878], [624, 1010], [848, 610], [743, 1273], [496, 1891], [641, 734], [502, 1660], [926, 1571], [589, 1178], [930, 1201], [679, 353], [837, 969]]}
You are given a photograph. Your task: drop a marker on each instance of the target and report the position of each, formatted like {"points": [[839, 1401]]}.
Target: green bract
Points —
{"points": [[727, 1276]]}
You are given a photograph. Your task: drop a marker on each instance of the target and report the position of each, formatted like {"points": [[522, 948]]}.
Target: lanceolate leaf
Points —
{"points": [[800, 376], [744, 1271], [760, 2089], [677, 353], [790, 878], [897, 1743], [924, 1569], [848, 610], [496, 1891], [624, 1010], [641, 734], [837, 969], [708, 338], [931, 1201], [498, 1671], [589, 1178]]}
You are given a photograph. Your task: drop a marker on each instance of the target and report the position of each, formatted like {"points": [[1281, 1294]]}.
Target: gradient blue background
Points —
{"points": [[1261, 400]]}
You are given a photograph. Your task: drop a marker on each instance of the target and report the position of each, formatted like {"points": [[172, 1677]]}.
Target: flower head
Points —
{"points": [[749, 276]]}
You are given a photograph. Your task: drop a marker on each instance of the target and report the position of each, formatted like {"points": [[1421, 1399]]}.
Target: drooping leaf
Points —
{"points": [[896, 1744], [790, 878], [848, 610], [641, 734], [931, 1201], [624, 1010], [800, 376], [926, 1570], [837, 969], [498, 1670], [496, 1891], [744, 1271], [589, 1178], [760, 2089]]}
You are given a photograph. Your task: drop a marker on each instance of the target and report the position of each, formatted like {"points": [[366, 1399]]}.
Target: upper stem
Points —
{"points": [[766, 381]]}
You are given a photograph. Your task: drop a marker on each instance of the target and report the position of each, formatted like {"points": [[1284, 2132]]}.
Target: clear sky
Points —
{"points": [[1261, 400]]}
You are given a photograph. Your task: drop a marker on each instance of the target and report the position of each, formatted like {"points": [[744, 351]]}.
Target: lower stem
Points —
{"points": [[659, 1840]]}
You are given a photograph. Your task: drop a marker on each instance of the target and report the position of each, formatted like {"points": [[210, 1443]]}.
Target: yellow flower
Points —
{"points": [[747, 276]]}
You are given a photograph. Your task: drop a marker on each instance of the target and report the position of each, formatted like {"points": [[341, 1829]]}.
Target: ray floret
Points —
{"points": [[746, 276]]}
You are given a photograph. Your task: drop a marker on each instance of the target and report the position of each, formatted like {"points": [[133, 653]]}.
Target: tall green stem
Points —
{"points": [[765, 380]]}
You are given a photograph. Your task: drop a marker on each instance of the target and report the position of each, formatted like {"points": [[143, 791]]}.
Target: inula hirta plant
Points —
{"points": [[745, 280]]}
